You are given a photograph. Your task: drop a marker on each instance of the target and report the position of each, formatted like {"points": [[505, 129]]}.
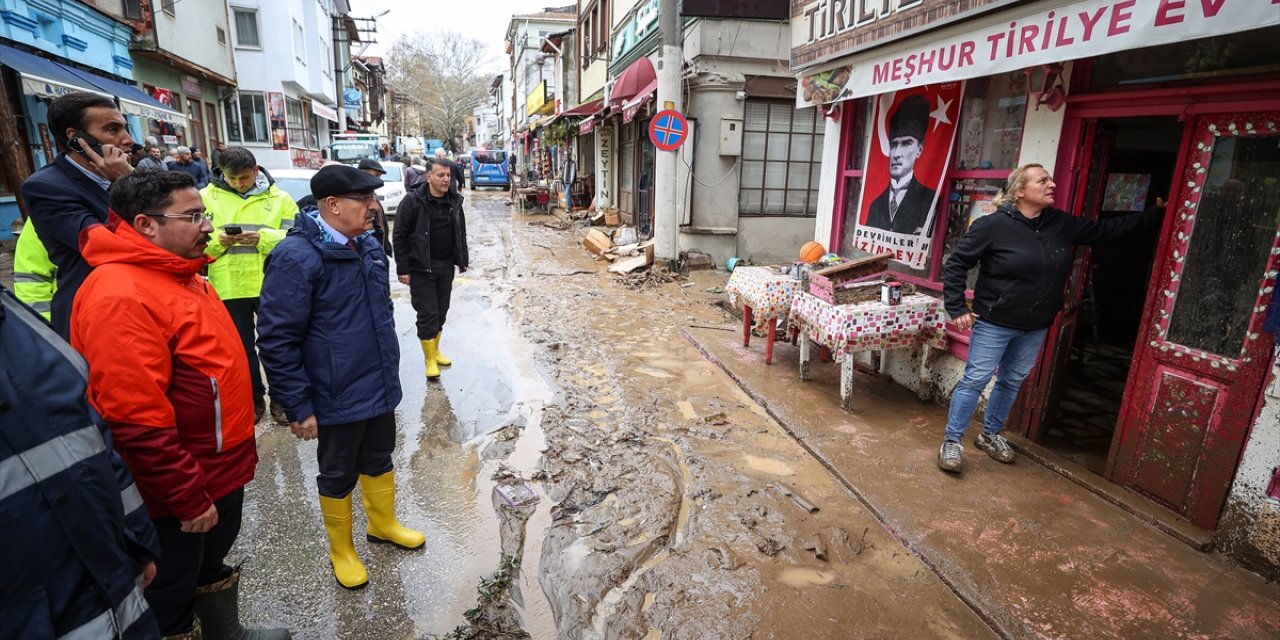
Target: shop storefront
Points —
{"points": [[630, 108], [37, 77], [1157, 375]]}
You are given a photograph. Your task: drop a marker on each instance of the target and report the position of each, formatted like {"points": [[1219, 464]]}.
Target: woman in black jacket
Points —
{"points": [[1024, 253]]}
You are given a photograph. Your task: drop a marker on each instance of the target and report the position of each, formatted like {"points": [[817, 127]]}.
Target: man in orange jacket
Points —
{"points": [[170, 377]]}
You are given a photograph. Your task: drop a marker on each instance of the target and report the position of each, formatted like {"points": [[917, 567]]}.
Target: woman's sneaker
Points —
{"points": [[949, 456], [995, 446]]}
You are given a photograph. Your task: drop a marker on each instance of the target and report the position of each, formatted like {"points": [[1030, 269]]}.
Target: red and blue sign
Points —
{"points": [[668, 130]]}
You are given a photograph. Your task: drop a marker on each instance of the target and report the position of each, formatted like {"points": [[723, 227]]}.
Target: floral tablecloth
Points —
{"points": [[767, 292], [870, 326]]}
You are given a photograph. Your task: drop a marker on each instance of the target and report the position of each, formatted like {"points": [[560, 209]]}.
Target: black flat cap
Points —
{"points": [[338, 179], [369, 164]]}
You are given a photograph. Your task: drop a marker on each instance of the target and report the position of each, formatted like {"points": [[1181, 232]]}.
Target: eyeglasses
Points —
{"points": [[367, 198], [196, 217]]}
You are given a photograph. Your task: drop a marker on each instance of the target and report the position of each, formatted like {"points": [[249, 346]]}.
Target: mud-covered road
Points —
{"points": [[662, 509]]}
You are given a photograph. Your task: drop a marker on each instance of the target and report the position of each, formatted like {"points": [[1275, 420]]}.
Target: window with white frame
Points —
{"points": [[246, 27], [781, 160], [299, 44], [246, 118], [297, 123]]}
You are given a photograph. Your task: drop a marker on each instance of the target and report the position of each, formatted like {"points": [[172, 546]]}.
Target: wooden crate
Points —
{"points": [[836, 284], [852, 293]]}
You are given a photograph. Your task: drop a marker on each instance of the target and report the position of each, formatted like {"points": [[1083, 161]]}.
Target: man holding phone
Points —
{"points": [[250, 215], [70, 193]]}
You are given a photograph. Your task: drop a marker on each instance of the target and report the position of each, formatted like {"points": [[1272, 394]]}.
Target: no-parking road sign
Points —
{"points": [[668, 130]]}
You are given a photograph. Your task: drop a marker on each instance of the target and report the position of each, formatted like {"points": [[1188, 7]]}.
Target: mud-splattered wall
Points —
{"points": [[1250, 526]]}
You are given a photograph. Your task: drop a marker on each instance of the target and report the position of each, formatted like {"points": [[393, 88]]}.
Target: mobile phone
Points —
{"points": [[81, 138], [232, 230]]}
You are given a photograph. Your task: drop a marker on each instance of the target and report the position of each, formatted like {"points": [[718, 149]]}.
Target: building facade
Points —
{"points": [[1159, 375], [534, 86], [184, 58], [47, 50], [286, 104]]}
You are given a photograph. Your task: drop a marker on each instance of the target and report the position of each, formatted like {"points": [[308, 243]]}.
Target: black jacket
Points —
{"points": [[912, 214], [63, 201], [411, 236], [1024, 264]]}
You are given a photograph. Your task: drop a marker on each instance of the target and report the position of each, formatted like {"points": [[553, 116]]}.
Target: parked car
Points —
{"points": [[297, 183], [393, 189], [489, 169]]}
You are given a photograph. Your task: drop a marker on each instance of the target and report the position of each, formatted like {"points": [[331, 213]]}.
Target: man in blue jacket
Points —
{"points": [[70, 193], [327, 339], [76, 535]]}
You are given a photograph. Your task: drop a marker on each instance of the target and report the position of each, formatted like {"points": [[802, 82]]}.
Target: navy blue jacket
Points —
{"points": [[326, 334], [63, 201], [74, 539]]}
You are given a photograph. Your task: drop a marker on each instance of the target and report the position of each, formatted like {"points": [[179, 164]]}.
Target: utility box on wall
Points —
{"points": [[730, 136]]}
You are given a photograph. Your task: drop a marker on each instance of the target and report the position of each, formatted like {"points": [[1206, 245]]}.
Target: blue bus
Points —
{"points": [[489, 169]]}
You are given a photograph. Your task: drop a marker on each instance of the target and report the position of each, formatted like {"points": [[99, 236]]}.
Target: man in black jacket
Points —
{"points": [[903, 207], [70, 193], [430, 239]]}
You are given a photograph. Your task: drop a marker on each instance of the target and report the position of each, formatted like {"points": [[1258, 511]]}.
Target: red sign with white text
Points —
{"points": [[1023, 37]]}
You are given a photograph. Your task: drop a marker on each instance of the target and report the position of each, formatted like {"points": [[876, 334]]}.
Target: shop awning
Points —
{"points": [[632, 106], [585, 109], [638, 77], [326, 112], [133, 100], [42, 77]]}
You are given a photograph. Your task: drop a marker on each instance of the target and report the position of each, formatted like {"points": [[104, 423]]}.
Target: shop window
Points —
{"points": [[297, 123], [246, 27], [991, 123], [987, 148], [132, 9], [1250, 52], [247, 118], [781, 160]]}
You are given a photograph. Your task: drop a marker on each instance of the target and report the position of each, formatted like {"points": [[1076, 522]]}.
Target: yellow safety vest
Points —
{"points": [[34, 275], [237, 272]]}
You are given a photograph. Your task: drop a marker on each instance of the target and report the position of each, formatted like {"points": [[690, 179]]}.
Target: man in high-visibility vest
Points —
{"points": [[34, 274], [250, 215]]}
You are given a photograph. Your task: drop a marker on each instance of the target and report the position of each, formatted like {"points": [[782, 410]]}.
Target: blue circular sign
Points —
{"points": [[668, 130]]}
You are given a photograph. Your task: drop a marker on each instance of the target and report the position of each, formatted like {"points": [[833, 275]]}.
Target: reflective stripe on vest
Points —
{"points": [[130, 498], [33, 278], [241, 248], [14, 309], [111, 624], [48, 459], [287, 223], [42, 306]]}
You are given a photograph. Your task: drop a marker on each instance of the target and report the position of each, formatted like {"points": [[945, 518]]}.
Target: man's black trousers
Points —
{"points": [[430, 295], [348, 451], [190, 560], [243, 312]]}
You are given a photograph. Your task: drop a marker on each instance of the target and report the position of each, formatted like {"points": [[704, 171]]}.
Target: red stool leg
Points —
{"points": [[746, 325], [768, 343]]}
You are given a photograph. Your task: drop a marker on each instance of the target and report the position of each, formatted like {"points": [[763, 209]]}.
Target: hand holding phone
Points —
{"points": [[106, 160], [232, 230]]}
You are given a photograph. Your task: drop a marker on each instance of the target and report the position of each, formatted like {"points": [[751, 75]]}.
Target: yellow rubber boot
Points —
{"points": [[347, 567], [379, 495], [440, 359], [429, 352]]}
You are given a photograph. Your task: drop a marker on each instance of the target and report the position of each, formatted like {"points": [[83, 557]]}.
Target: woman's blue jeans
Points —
{"points": [[1014, 351]]}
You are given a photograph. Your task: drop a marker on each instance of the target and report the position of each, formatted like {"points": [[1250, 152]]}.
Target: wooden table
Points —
{"points": [[766, 295], [867, 326]]}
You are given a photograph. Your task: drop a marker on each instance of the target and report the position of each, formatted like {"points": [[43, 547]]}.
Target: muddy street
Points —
{"points": [[663, 507]]}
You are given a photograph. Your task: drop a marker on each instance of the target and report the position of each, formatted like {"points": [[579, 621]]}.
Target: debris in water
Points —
{"points": [[493, 617], [717, 419], [517, 495]]}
